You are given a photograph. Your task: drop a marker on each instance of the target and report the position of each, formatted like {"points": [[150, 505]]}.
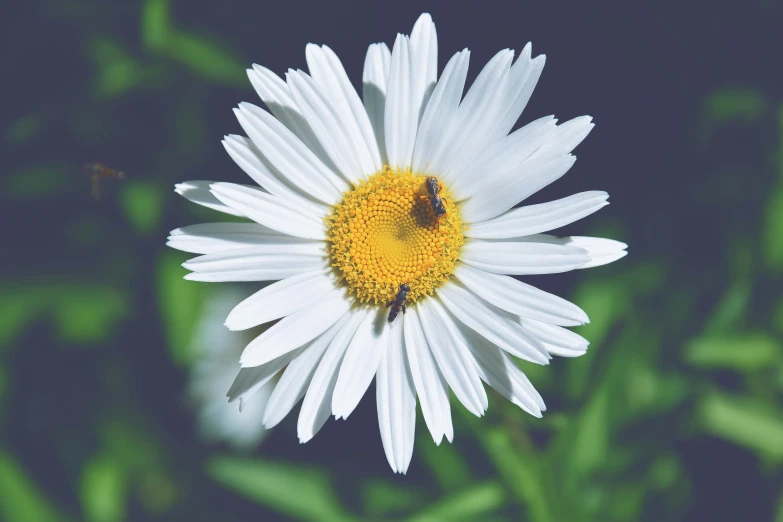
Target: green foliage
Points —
{"points": [[745, 421], [472, 503], [104, 488], [21, 499], [282, 487], [737, 103], [744, 352], [142, 202]]}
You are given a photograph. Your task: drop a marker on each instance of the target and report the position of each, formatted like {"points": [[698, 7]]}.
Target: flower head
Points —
{"points": [[397, 205]]}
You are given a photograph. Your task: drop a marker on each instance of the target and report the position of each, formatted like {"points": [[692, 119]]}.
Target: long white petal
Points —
{"points": [[522, 258], [440, 112], [297, 376], [519, 298], [266, 262], [208, 238], [424, 47], [295, 330], [524, 181], [360, 364], [198, 192], [270, 211], [245, 154], [326, 69], [292, 158], [565, 138], [277, 97], [498, 327], [250, 380], [281, 299], [499, 370], [557, 340], [454, 361], [341, 140], [533, 219], [396, 403], [497, 164], [374, 83], [521, 83], [317, 404], [401, 116], [476, 117], [601, 251], [431, 387]]}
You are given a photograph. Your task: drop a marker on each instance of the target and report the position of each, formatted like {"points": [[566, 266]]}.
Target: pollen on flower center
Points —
{"points": [[384, 233]]}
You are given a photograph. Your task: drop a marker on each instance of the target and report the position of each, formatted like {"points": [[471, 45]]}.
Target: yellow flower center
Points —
{"points": [[384, 233]]}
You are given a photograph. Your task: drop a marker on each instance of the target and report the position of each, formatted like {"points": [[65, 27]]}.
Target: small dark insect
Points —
{"points": [[398, 303], [99, 172], [433, 189]]}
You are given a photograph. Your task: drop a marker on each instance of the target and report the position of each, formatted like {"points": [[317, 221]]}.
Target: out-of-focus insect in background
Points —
{"points": [[113, 368]]}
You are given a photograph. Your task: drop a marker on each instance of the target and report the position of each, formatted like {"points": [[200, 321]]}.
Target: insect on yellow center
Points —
{"points": [[384, 233]]}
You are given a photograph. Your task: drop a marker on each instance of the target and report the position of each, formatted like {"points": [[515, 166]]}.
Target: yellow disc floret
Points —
{"points": [[384, 233]]}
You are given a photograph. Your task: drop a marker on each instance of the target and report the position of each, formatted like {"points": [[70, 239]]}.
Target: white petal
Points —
{"points": [[275, 94], [401, 116], [495, 198], [281, 299], [341, 140], [497, 164], [208, 238], [565, 138], [476, 117], [522, 258], [440, 113], [198, 192], [519, 298], [521, 83], [557, 340], [498, 327], [431, 387], [499, 370], [292, 158], [454, 360], [317, 404], [250, 380], [249, 158], [601, 251], [424, 47], [543, 217], [297, 376], [396, 403], [374, 82], [299, 328], [326, 69], [271, 211], [360, 363], [259, 263]]}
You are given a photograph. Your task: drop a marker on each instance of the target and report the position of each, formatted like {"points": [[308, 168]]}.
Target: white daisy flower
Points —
{"points": [[217, 351], [343, 219]]}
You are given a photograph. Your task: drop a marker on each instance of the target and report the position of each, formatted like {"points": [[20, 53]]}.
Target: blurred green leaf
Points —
{"points": [[20, 499], [142, 203], [155, 23], [520, 468], [731, 308], [206, 58], [743, 420], [180, 303], [117, 70], [88, 313], [298, 492], [472, 503], [444, 462], [37, 180], [744, 352], [382, 498], [735, 103], [773, 228], [24, 128], [104, 489]]}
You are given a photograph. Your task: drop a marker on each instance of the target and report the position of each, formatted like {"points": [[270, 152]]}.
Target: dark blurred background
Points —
{"points": [[673, 414]]}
